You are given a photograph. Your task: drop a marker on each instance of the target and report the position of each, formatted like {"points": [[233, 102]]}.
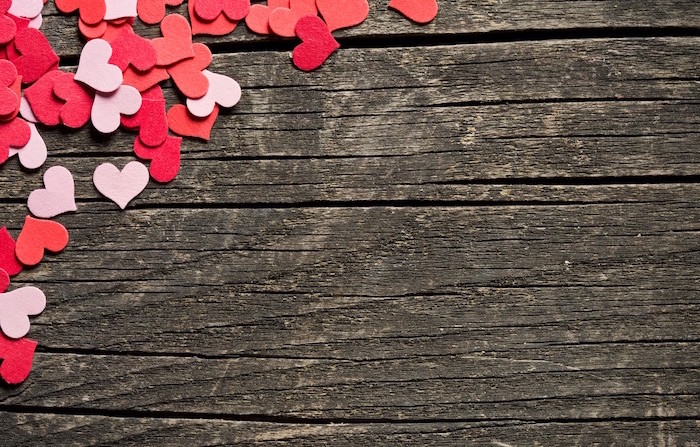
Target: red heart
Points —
{"points": [[13, 134], [420, 11], [91, 11], [258, 19], [17, 357], [182, 122], [4, 280], [8, 28], [343, 14], [45, 105], [16, 89], [150, 120], [317, 43], [92, 31], [75, 113], [8, 260], [38, 235], [165, 159], [187, 75], [153, 11], [37, 56], [176, 43], [8, 98], [283, 21], [144, 80], [220, 26], [209, 10], [131, 49]]}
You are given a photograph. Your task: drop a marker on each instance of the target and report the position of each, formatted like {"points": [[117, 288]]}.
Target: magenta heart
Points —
{"points": [[16, 307], [57, 198]]}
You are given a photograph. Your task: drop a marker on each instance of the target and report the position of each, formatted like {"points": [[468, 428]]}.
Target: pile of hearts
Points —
{"points": [[116, 85]]}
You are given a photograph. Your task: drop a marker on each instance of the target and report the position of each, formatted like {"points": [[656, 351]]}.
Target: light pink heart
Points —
{"points": [[34, 153], [94, 68], [16, 307], [36, 22], [27, 9], [108, 108], [222, 90], [119, 9], [123, 186], [26, 111], [57, 198]]}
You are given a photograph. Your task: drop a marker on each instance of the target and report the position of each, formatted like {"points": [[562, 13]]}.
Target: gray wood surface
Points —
{"points": [[485, 235]]}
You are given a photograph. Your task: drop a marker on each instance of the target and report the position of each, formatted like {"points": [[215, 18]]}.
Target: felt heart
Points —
{"points": [[317, 43], [115, 28], [144, 80], [92, 31], [8, 98], [119, 9], [26, 8], [220, 26], [165, 159], [209, 10], [8, 28], [13, 134], [176, 43], [283, 21], [16, 89], [45, 106], [150, 120], [123, 186], [37, 57], [94, 68], [4, 280], [25, 110], [17, 357], [343, 14], [16, 307], [34, 153], [8, 261], [153, 11], [75, 113], [131, 49], [38, 235], [258, 19], [57, 198], [420, 11], [187, 75], [36, 22], [91, 11], [108, 108], [222, 90], [182, 122]]}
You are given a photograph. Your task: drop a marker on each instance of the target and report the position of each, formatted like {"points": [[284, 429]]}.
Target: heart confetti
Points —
{"points": [[17, 357], [16, 307], [39, 235], [123, 186], [57, 198]]}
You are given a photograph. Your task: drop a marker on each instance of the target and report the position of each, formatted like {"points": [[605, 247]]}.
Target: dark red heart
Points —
{"points": [[131, 49], [44, 103], [37, 56], [317, 43], [165, 159], [8, 260], [13, 134], [150, 120], [4, 280], [8, 98], [17, 357], [75, 113], [8, 28]]}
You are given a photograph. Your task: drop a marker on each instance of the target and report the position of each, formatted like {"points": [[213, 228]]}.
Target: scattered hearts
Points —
{"points": [[165, 158], [16, 307], [317, 43], [123, 186], [176, 43], [95, 70], [39, 235], [57, 198]]}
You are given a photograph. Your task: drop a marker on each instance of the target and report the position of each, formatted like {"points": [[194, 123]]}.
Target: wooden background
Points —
{"points": [[480, 232]]}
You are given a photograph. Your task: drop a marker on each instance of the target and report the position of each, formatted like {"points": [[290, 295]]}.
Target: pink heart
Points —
{"points": [[95, 70], [57, 198], [33, 154], [108, 108], [26, 110], [222, 90], [120, 9], [27, 9], [15, 308], [121, 186]]}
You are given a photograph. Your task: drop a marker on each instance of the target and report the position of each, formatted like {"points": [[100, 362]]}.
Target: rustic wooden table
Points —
{"points": [[481, 232]]}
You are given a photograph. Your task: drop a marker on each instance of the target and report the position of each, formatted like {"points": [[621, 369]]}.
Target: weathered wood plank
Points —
{"points": [[455, 17], [460, 115], [30, 429]]}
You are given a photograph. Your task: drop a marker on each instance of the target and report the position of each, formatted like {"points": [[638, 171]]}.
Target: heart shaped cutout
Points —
{"points": [[123, 186], [34, 153], [176, 43], [151, 122], [165, 159], [108, 108], [283, 21], [16, 307], [8, 28], [131, 49], [343, 14], [46, 107], [220, 26], [14, 134], [94, 68], [223, 91], [182, 122], [91, 11], [209, 10], [317, 43], [57, 197], [187, 74], [8, 261], [27, 9], [420, 11], [36, 55], [17, 357], [38, 235], [75, 112], [258, 19]]}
